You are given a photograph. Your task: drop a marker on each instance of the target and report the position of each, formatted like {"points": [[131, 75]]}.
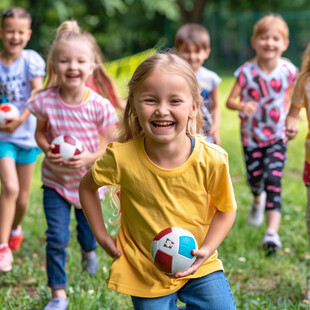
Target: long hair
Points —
{"points": [[67, 31], [168, 62], [104, 84], [304, 76]]}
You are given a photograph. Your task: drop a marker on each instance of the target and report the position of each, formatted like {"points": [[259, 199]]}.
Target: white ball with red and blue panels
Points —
{"points": [[171, 250], [8, 110], [67, 146]]}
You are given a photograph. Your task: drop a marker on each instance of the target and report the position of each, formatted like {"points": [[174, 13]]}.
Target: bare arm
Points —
{"points": [[218, 230], [37, 83], [291, 122], [91, 206], [216, 115], [43, 143], [247, 108], [13, 123]]}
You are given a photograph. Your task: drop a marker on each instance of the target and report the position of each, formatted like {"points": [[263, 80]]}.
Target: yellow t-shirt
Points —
{"points": [[301, 99], [152, 199]]}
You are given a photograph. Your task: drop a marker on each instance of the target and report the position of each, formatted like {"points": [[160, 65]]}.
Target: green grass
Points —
{"points": [[257, 281]]}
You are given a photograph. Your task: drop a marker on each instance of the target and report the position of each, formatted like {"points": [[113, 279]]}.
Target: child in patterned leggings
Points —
{"points": [[264, 86]]}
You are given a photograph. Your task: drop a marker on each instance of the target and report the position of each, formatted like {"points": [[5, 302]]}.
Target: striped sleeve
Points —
{"points": [[106, 116]]}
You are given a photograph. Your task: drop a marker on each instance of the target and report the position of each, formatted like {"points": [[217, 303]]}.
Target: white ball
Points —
{"points": [[67, 146], [171, 250], [8, 110]]}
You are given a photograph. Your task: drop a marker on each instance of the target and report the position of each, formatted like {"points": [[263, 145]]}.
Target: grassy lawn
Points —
{"points": [[257, 281]]}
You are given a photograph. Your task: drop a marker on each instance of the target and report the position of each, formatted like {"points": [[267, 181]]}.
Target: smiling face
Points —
{"points": [[15, 34], [270, 45], [74, 62], [194, 55], [163, 103]]}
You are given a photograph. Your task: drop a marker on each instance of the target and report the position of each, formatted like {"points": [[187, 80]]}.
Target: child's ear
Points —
{"points": [[92, 68], [29, 32], [286, 44], [193, 112], [207, 52]]}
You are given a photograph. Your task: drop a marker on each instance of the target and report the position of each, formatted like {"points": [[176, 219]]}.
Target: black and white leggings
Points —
{"points": [[264, 171]]}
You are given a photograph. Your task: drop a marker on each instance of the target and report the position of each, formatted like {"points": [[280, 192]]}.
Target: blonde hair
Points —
{"points": [[169, 62], [192, 33], [304, 76], [268, 21], [67, 31]]}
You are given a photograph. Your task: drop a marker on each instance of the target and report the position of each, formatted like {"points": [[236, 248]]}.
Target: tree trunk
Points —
{"points": [[193, 16]]}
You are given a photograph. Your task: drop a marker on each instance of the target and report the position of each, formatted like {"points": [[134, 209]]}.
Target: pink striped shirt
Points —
{"points": [[85, 121]]}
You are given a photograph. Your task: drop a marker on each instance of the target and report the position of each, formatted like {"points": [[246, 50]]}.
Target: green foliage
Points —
{"points": [[122, 69], [126, 27]]}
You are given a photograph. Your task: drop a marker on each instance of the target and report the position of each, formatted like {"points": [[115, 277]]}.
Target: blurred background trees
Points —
{"points": [[126, 27]]}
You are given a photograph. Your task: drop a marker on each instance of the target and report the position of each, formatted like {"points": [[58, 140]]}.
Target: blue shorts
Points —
{"points": [[21, 156]]}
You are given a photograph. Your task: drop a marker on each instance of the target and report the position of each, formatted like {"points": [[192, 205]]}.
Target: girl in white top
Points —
{"points": [[262, 94], [67, 106], [21, 71]]}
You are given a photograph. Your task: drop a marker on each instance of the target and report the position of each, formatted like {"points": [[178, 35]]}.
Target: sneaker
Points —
{"points": [[271, 242], [15, 241], [307, 297], [57, 303], [6, 259], [256, 216], [90, 262]]}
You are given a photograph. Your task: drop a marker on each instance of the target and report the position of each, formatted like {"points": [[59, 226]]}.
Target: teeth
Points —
{"points": [[163, 124]]}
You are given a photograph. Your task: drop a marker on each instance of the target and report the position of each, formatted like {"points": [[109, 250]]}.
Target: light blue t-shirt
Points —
{"points": [[207, 81], [15, 88]]}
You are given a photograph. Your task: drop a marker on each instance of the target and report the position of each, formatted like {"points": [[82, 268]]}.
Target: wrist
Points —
{"points": [[241, 107]]}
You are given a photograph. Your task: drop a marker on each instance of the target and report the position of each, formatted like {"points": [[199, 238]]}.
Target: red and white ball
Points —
{"points": [[171, 250], [8, 110], [67, 146]]}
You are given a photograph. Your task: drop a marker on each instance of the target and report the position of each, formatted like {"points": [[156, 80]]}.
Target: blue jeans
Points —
{"points": [[209, 292], [57, 213]]}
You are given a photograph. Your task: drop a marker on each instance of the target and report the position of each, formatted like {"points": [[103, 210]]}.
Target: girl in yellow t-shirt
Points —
{"points": [[301, 99], [169, 177]]}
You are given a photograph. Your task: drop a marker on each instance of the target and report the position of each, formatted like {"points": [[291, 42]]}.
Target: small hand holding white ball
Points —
{"points": [[202, 255]]}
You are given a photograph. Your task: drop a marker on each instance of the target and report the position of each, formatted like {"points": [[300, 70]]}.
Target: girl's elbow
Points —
{"points": [[228, 104]]}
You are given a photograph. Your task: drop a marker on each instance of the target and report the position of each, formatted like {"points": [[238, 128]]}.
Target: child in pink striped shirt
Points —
{"points": [[67, 107]]}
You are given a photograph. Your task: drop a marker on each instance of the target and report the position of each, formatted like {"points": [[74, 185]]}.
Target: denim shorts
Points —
{"points": [[209, 292], [20, 155]]}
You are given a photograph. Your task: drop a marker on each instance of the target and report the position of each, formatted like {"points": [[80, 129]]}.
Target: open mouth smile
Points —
{"points": [[163, 124]]}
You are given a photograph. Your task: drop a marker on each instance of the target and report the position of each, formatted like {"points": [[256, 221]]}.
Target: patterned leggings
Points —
{"points": [[264, 171]]}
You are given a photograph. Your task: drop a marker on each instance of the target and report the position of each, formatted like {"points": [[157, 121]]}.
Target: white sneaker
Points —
{"points": [[57, 303], [256, 216], [272, 241]]}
